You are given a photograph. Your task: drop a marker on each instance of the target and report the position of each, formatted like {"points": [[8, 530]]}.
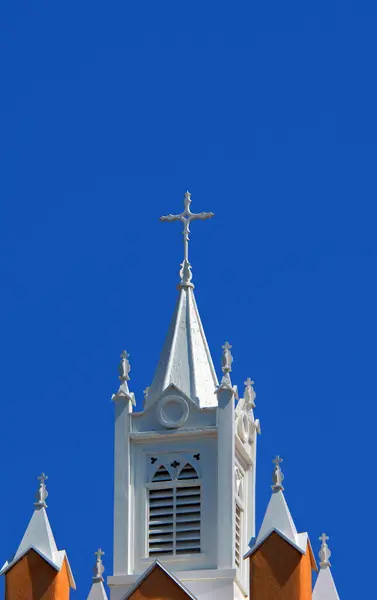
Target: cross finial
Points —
{"points": [[324, 553], [98, 567], [277, 475], [186, 217], [146, 392], [124, 367], [42, 493], [249, 394], [227, 358]]}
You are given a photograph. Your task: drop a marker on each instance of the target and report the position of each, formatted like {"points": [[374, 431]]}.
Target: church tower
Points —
{"points": [[185, 464]]}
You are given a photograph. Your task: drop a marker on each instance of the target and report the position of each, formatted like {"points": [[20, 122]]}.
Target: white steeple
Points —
{"points": [[97, 591], [39, 537], [324, 588], [184, 476], [185, 360], [278, 517]]}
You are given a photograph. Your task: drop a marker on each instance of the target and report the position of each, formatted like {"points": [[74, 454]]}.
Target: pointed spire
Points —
{"points": [[324, 553], [97, 591], [325, 588], [42, 493], [186, 217], [278, 517], [185, 361], [277, 475], [39, 537], [38, 533]]}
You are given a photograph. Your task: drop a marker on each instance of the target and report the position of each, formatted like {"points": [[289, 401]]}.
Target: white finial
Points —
{"points": [[186, 217], [124, 367], [42, 493], [324, 553], [277, 476], [146, 392], [227, 358], [98, 567], [249, 394]]}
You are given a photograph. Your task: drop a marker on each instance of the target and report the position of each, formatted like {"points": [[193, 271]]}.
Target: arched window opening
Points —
{"points": [[188, 472], [162, 474], [174, 512]]}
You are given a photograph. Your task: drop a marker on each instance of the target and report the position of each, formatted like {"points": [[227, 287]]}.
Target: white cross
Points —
{"points": [[226, 346], [249, 382], [42, 478], [323, 538], [99, 553], [186, 217], [277, 460]]}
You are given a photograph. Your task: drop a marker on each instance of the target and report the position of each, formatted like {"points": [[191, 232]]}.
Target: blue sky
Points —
{"points": [[266, 112]]}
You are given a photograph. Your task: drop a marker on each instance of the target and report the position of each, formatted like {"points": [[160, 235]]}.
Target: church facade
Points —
{"points": [[185, 486]]}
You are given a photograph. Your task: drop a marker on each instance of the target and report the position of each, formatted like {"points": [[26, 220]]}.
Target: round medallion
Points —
{"points": [[172, 411], [243, 427]]}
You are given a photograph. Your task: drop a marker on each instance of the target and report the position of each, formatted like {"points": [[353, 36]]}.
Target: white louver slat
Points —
{"points": [[174, 513]]}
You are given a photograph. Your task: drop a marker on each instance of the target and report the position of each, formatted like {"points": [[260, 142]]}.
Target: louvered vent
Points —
{"points": [[161, 514], [174, 513], [238, 535]]}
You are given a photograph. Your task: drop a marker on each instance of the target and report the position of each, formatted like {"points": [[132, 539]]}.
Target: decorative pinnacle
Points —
{"points": [[324, 553], [186, 217], [227, 358], [277, 475], [42, 493], [124, 367], [98, 567], [146, 392], [249, 394]]}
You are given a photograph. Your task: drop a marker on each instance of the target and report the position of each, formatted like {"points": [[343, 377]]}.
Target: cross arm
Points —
{"points": [[171, 218], [202, 215]]}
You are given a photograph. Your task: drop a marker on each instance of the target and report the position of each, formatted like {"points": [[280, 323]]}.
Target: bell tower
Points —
{"points": [[185, 464]]}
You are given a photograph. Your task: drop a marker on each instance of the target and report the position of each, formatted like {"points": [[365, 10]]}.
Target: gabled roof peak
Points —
{"points": [[158, 565]]}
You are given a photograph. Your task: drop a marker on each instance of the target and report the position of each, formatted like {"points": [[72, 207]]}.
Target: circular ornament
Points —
{"points": [[172, 411], [244, 427]]}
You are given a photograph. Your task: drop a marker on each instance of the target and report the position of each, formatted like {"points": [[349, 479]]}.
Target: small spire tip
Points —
{"points": [[277, 475], [324, 553], [42, 493], [98, 569]]}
